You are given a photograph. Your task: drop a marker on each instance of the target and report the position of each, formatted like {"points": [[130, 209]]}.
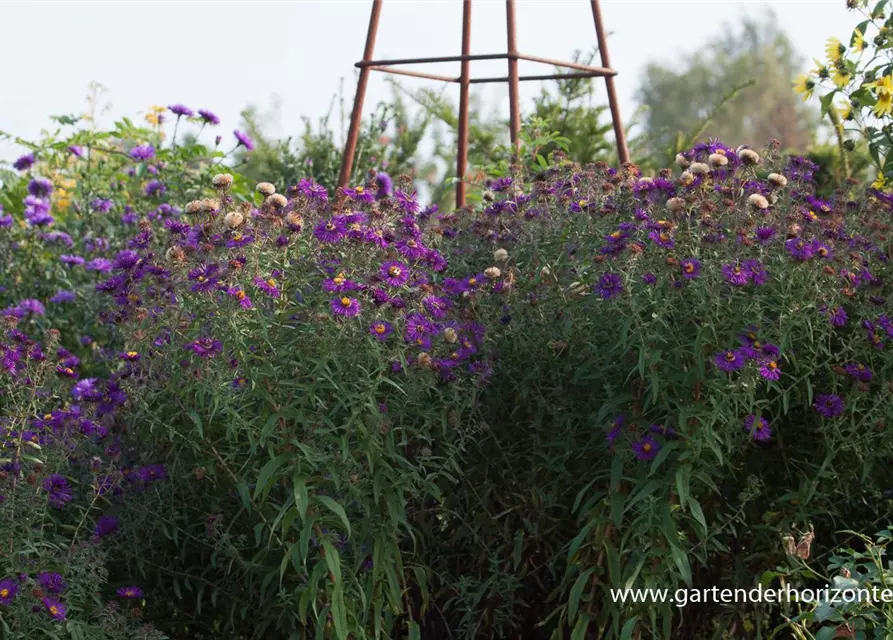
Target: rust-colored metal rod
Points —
{"points": [[622, 151], [514, 107], [554, 76], [356, 116], [462, 58], [567, 65], [414, 74], [462, 155]]}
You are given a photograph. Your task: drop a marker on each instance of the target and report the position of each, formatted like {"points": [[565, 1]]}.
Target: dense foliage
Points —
{"points": [[281, 411]]}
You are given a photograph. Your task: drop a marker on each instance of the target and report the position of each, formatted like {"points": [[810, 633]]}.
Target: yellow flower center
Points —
{"points": [[380, 329], [4, 593], [241, 295], [132, 354], [47, 416], [237, 237], [582, 203], [133, 297], [772, 366], [355, 226], [345, 301], [730, 356], [330, 227], [359, 189], [823, 252], [54, 609], [646, 447], [860, 367], [339, 279], [68, 370], [664, 236], [410, 243], [271, 282], [689, 267], [472, 281], [395, 271], [202, 279], [615, 235]]}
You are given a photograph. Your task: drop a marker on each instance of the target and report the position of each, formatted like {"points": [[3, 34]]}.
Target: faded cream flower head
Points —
{"points": [[500, 255], [749, 156], [699, 168], [276, 201], [777, 180], [265, 188], [682, 161], [222, 180], [717, 160], [675, 205], [233, 219], [492, 272], [758, 201]]}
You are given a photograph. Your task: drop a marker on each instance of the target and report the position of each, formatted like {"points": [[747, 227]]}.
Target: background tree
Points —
{"points": [[680, 97]]}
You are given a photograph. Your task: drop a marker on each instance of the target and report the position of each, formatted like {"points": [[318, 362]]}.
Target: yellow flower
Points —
{"points": [[879, 182], [858, 41], [157, 109], [834, 49], [804, 85], [841, 77], [884, 89], [152, 118], [846, 111]]}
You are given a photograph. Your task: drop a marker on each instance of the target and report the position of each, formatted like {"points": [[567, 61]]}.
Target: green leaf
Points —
{"points": [[629, 626], [299, 487], [414, 631], [339, 613], [335, 508], [265, 478], [577, 593], [579, 632], [681, 560], [683, 479]]}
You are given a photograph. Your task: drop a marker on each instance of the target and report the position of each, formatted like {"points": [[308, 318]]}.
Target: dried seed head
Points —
{"points": [[500, 255], [492, 272], [773, 198], [194, 207], [682, 161], [209, 205], [757, 200], [294, 219], [717, 160], [276, 201], [175, 254], [222, 181], [675, 205], [699, 168], [450, 335], [777, 180], [749, 156], [233, 219], [265, 188]]}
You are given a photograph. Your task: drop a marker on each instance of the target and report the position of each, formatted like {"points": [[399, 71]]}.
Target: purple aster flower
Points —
{"points": [[662, 239], [385, 185], [437, 306], [616, 428], [52, 581], [126, 260], [142, 152], [243, 140], [267, 286], [208, 117], [406, 202], [37, 212], [691, 268], [610, 286], [838, 317], [63, 296], [769, 370], [8, 589], [241, 296], [764, 234], [381, 329], [359, 194], [76, 151], [32, 306], [418, 327], [84, 389], [238, 239], [757, 428], [859, 371], [730, 360], [755, 271], [735, 274], [330, 231], [649, 278], [800, 249], [345, 306], [71, 260], [411, 249], [205, 347], [5, 220], [181, 110], [56, 609], [829, 405], [40, 188], [339, 284], [101, 206], [105, 526], [59, 491], [646, 448], [130, 592], [99, 264], [154, 189], [394, 273], [23, 163]]}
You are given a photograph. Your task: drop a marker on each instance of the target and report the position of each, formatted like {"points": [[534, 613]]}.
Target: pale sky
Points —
{"points": [[223, 55]]}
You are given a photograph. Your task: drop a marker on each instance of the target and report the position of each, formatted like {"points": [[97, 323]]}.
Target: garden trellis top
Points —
{"points": [[464, 80]]}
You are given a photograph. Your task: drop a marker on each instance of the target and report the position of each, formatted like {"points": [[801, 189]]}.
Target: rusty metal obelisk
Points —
{"points": [[464, 80]]}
